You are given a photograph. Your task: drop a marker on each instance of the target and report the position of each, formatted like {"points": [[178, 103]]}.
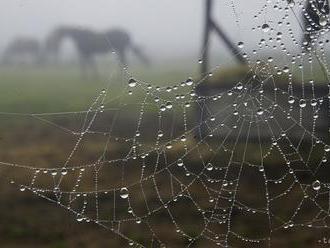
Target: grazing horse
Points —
{"points": [[90, 43], [22, 50], [315, 15]]}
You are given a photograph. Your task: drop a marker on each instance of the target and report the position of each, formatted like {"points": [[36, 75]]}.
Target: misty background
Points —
{"points": [[46, 107], [164, 29]]}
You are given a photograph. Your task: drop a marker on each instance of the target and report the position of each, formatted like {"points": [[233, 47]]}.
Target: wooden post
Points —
{"points": [[206, 38], [210, 25]]}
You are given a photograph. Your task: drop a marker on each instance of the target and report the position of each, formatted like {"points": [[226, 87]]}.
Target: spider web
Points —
{"points": [[236, 161]]}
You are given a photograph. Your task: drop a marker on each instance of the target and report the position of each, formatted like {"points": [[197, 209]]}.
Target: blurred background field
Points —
{"points": [[53, 86], [26, 220], [29, 221]]}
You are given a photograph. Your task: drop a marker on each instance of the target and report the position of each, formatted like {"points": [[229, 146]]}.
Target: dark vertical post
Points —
{"points": [[206, 36], [210, 26], [228, 43]]}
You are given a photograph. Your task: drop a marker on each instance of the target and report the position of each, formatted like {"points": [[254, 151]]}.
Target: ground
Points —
{"points": [[28, 220]]}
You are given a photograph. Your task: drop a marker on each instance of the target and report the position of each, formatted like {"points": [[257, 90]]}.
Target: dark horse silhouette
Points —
{"points": [[23, 50], [90, 43]]}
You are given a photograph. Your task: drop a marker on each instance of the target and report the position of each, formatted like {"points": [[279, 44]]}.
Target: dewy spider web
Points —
{"points": [[238, 162]]}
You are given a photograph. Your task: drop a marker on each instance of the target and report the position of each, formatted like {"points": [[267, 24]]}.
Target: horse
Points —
{"points": [[22, 50], [90, 43]]}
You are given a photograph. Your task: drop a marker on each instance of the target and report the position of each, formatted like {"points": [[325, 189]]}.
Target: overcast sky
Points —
{"points": [[160, 26], [152, 23]]}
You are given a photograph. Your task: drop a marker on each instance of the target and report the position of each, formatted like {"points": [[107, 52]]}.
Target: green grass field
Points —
{"points": [[26, 220], [29, 221]]}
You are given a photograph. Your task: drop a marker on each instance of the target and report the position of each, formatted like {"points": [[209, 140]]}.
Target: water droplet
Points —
{"points": [[180, 162], [138, 221], [240, 44], [160, 134], [260, 111], [302, 103], [316, 185], [169, 105], [131, 82], [291, 99], [189, 81], [124, 193], [168, 145], [323, 20], [79, 218], [130, 210], [313, 102], [162, 108], [265, 27], [209, 167], [64, 172], [239, 86], [291, 3]]}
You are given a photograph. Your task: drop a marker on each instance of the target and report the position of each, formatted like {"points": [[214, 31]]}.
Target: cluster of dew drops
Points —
{"points": [[323, 21]]}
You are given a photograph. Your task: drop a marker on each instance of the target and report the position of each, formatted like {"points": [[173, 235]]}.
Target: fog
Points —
{"points": [[164, 28], [153, 24]]}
